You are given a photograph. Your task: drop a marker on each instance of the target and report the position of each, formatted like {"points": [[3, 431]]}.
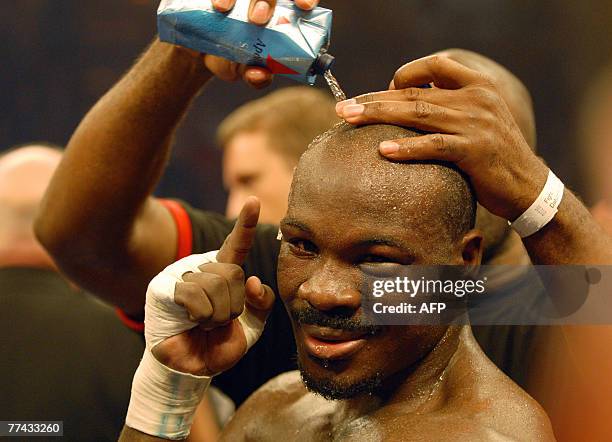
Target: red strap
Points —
{"points": [[183, 228], [184, 248], [130, 323]]}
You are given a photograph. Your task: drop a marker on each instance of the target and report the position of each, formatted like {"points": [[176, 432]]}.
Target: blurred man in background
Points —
{"points": [[262, 142], [59, 346]]}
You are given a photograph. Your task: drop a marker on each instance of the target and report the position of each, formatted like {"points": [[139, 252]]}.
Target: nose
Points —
{"points": [[329, 288], [235, 201]]}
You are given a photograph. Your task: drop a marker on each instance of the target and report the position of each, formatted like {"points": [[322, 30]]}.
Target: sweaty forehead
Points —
{"points": [[343, 174]]}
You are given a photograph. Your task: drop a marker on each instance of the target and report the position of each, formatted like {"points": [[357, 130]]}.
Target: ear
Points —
{"points": [[471, 248]]}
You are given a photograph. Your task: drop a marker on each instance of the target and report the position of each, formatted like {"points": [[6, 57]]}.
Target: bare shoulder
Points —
{"points": [[264, 407], [444, 429], [492, 401], [278, 391]]}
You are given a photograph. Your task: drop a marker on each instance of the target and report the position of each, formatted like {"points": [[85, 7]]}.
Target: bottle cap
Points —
{"points": [[323, 63]]}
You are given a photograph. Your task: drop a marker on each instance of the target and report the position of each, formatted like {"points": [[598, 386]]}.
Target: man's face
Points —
{"points": [[252, 167], [340, 223]]}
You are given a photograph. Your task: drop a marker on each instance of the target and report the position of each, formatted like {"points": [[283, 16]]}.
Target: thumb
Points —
{"points": [[259, 302], [236, 246], [259, 298]]}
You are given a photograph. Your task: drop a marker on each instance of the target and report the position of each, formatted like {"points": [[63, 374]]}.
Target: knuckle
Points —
{"points": [[365, 98], [204, 267], [472, 118], [439, 143], [487, 96], [422, 110], [486, 80], [186, 294], [216, 283], [235, 272], [411, 93], [204, 313], [435, 61], [187, 290], [196, 279], [373, 107]]}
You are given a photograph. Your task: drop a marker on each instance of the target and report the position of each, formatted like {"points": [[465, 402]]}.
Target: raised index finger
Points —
{"points": [[236, 246], [437, 69]]}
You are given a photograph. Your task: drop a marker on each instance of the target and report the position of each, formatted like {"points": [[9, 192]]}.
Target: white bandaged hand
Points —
{"points": [[164, 400]]}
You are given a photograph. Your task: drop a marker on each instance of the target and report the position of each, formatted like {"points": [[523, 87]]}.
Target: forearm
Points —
{"points": [[572, 237], [118, 152], [97, 217]]}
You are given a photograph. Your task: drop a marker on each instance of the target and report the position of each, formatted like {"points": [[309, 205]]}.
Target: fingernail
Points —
{"points": [[261, 12], [309, 4], [341, 104], [256, 75], [352, 110], [387, 147], [222, 4]]}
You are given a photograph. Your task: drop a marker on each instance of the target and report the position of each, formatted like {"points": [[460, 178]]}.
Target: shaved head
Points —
{"points": [[351, 210], [25, 173], [346, 159]]}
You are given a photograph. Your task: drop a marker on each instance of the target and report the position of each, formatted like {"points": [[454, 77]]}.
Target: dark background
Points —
{"points": [[59, 56]]}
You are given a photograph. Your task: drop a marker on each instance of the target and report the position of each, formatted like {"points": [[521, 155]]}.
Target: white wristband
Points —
{"points": [[163, 400], [543, 209]]}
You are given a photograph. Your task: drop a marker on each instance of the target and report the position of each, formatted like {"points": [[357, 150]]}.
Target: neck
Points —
{"points": [[415, 388]]}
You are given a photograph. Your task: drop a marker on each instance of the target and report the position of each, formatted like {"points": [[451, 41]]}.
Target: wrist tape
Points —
{"points": [[164, 400], [543, 209]]}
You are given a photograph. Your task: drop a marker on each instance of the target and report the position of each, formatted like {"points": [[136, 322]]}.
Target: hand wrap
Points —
{"points": [[164, 400]]}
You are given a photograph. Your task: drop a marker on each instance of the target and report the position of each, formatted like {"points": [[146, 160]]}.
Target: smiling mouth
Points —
{"points": [[332, 343]]}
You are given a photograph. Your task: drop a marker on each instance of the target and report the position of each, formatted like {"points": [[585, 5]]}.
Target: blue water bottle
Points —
{"points": [[293, 44]]}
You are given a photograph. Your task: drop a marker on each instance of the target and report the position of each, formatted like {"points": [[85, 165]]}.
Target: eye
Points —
{"points": [[378, 259], [302, 247], [247, 180]]}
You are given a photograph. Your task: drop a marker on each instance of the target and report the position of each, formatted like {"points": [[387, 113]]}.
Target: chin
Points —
{"points": [[324, 381]]}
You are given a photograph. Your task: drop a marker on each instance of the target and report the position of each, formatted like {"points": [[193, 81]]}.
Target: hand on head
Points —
{"points": [[260, 12], [216, 314], [470, 125]]}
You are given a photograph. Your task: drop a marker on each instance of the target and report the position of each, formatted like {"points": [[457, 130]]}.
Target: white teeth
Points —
{"points": [[330, 334]]}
